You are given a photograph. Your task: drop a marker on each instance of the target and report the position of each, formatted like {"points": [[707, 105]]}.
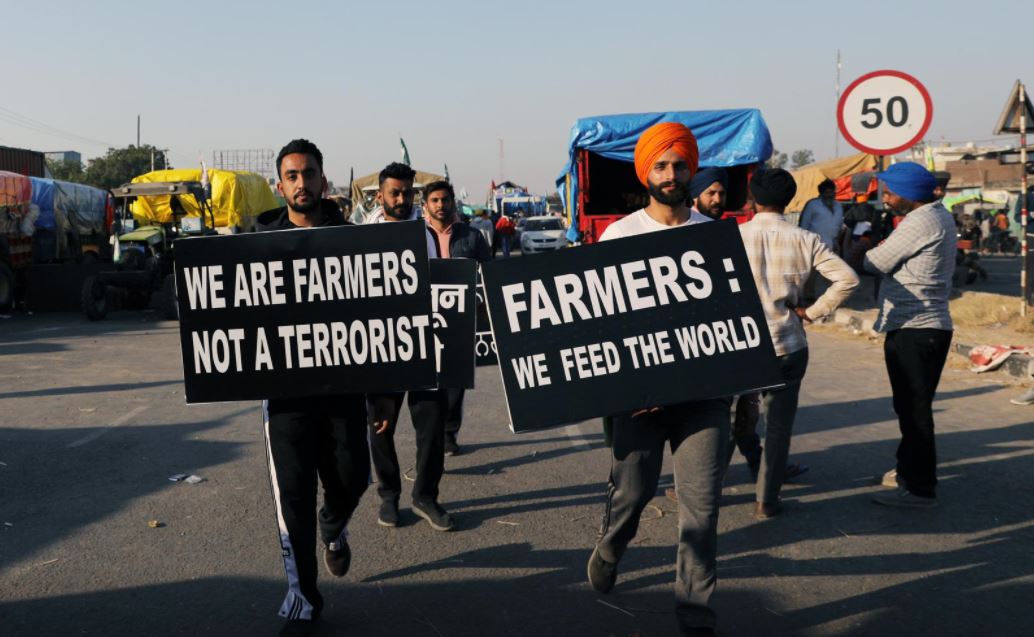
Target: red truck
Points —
{"points": [[599, 185]]}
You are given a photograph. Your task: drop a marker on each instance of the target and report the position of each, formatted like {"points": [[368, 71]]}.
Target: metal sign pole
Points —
{"points": [[1023, 201]]}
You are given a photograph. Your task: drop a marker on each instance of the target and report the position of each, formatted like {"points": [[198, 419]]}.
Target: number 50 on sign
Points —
{"points": [[884, 112]]}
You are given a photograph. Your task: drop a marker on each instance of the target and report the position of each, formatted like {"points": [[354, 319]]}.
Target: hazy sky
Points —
{"points": [[452, 77]]}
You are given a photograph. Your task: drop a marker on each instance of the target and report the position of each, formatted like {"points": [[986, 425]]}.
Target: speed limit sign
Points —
{"points": [[884, 112]]}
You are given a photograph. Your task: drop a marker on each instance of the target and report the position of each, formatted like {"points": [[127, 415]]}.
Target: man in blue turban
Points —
{"points": [[917, 262], [707, 192]]}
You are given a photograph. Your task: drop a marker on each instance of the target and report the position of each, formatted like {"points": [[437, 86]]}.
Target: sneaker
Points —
{"points": [[451, 447], [904, 498], [890, 479], [435, 515], [338, 557], [1026, 399], [602, 574], [299, 627], [389, 513]]}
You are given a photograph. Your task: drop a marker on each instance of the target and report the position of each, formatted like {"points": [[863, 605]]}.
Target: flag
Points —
{"points": [[405, 152], [447, 172]]}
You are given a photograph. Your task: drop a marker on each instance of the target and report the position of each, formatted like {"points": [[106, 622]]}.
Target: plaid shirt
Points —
{"points": [[782, 257], [917, 261]]}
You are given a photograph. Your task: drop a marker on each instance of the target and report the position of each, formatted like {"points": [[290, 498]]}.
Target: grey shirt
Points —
{"points": [[917, 261]]}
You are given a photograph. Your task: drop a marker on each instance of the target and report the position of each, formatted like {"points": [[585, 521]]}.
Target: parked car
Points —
{"points": [[541, 234]]}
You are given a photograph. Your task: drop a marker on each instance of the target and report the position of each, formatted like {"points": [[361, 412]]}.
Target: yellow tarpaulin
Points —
{"points": [[237, 197], [809, 177]]}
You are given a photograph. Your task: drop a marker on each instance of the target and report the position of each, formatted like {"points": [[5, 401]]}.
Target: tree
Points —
{"points": [[777, 160], [801, 158], [66, 170], [120, 165]]}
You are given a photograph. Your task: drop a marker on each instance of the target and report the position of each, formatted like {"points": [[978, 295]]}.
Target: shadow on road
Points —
{"points": [[51, 491], [89, 389]]}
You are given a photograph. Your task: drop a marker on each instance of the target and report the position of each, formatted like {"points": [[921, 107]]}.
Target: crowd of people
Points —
{"points": [[329, 440]]}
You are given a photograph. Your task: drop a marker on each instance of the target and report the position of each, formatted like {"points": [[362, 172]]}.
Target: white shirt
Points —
{"points": [[377, 216], [826, 223], [640, 223]]}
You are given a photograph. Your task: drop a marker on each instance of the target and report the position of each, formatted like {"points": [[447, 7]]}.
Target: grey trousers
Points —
{"points": [[780, 411], [697, 433]]}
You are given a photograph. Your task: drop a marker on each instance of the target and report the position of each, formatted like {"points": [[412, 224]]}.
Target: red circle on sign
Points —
{"points": [[878, 151]]}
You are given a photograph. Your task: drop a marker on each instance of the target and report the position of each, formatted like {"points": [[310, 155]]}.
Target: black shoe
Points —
{"points": [[338, 557], [389, 513], [602, 574], [451, 447], [300, 627], [435, 515]]}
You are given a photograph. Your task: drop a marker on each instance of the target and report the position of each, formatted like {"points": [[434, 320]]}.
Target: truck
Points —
{"points": [[30, 163], [16, 227], [50, 233], [598, 185]]}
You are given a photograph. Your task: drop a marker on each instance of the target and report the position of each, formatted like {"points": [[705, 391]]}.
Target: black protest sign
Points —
{"points": [[453, 309], [484, 344], [305, 312], [628, 324]]}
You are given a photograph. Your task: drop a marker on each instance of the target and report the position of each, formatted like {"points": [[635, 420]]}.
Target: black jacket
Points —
{"points": [[468, 243], [277, 219]]}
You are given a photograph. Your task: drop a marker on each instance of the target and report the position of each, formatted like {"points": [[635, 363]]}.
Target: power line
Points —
{"points": [[17, 119]]}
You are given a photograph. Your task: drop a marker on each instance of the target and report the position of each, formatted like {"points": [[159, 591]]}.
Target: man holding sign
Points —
{"points": [[456, 240], [666, 158], [322, 436], [427, 408]]}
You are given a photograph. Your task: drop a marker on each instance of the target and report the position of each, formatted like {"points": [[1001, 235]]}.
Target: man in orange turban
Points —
{"points": [[695, 431], [666, 158]]}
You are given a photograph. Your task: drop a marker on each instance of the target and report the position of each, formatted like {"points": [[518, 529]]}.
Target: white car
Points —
{"points": [[541, 234]]}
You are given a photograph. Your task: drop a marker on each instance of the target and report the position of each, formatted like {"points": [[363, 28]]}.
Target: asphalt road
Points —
{"points": [[92, 422], [1003, 276]]}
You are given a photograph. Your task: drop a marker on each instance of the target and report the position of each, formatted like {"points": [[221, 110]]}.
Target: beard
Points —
{"points": [[305, 207], [715, 211], [399, 212], [676, 197]]}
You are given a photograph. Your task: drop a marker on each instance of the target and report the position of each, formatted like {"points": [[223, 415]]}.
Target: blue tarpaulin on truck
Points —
{"points": [[75, 208], [725, 137]]}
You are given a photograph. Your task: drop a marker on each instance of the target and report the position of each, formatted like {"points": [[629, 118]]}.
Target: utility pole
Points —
{"points": [[138, 131], [501, 172], [1024, 223], [836, 128]]}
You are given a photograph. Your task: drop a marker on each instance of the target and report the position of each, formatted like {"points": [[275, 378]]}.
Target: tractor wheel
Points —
{"points": [[94, 297], [169, 307], [6, 288]]}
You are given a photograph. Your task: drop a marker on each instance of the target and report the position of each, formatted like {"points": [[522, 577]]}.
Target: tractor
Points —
{"points": [[143, 254]]}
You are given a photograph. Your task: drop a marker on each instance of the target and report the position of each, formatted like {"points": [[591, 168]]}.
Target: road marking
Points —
{"points": [[100, 432], [577, 437]]}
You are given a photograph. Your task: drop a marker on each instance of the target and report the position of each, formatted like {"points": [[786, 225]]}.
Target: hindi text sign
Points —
{"points": [[453, 308]]}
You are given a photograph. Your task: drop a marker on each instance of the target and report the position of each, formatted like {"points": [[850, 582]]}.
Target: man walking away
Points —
{"points": [[456, 240], [426, 407], [697, 431], [505, 229], [322, 436], [917, 262], [782, 258]]}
